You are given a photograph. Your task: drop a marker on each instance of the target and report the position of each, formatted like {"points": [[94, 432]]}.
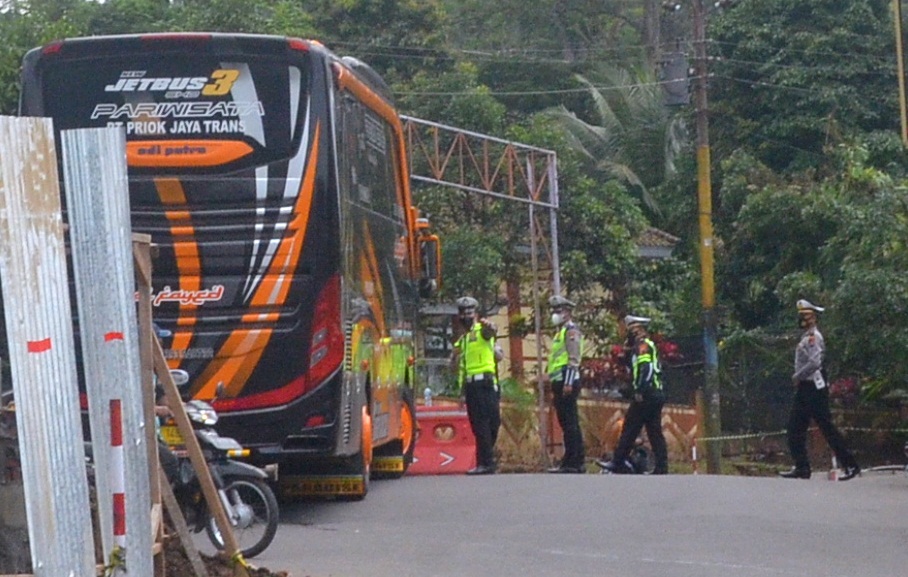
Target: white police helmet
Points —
{"points": [[805, 306], [467, 304], [632, 320], [559, 301]]}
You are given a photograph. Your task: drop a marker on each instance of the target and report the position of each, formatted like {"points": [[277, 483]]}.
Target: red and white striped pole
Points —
{"points": [[117, 475]]}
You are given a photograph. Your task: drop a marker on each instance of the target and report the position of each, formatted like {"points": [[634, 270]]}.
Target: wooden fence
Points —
{"points": [[519, 440]]}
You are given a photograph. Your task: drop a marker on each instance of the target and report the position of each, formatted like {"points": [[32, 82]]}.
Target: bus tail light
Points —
{"points": [[298, 44], [53, 47], [315, 421], [327, 348], [325, 356]]}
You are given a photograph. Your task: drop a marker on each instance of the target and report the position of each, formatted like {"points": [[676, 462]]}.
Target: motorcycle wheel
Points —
{"points": [[257, 511], [642, 460]]}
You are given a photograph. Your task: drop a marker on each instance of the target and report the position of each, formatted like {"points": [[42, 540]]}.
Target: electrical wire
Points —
{"points": [[404, 52], [769, 85], [804, 67], [525, 55], [581, 90]]}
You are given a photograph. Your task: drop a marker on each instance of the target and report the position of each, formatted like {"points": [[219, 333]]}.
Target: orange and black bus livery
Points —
{"points": [[271, 174]]}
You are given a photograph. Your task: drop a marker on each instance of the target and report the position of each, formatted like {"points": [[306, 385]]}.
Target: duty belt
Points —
{"points": [[480, 378]]}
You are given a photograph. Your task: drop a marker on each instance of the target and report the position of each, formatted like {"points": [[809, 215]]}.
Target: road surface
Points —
{"points": [[537, 525]]}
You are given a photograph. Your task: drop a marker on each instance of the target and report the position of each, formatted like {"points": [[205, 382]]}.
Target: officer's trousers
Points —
{"points": [[484, 413], [568, 419], [648, 413], [813, 403]]}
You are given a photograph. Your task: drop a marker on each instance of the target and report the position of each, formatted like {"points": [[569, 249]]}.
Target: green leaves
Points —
{"points": [[839, 240], [792, 77], [632, 136]]}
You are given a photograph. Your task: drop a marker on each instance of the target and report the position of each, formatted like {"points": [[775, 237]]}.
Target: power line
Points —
{"points": [[408, 52], [769, 85], [757, 64], [812, 52], [585, 89], [605, 88], [447, 53]]}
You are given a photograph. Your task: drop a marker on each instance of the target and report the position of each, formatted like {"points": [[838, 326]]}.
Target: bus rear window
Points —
{"points": [[183, 111]]}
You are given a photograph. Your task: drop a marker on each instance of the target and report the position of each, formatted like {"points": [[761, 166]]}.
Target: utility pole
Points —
{"points": [[712, 419], [900, 58]]}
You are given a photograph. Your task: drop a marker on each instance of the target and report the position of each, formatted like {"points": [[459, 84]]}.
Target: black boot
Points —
{"points": [[796, 473], [850, 473], [613, 468]]}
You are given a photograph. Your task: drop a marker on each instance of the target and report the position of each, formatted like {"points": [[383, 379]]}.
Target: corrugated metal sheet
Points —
{"points": [[97, 197], [39, 329]]}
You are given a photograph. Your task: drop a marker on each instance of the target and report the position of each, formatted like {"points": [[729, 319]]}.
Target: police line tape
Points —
{"points": [[874, 430], [785, 431], [739, 437]]}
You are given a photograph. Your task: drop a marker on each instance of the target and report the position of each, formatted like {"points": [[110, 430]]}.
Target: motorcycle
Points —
{"points": [[243, 489], [638, 462]]}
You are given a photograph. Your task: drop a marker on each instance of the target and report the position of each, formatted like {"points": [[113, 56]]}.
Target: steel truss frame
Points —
{"points": [[510, 171]]}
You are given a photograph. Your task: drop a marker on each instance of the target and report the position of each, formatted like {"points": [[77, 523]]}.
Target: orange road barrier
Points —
{"points": [[445, 444]]}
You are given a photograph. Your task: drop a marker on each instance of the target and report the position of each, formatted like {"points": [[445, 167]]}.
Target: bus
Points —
{"points": [[272, 177]]}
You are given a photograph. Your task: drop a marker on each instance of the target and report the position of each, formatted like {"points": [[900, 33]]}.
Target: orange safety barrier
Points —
{"points": [[445, 444]]}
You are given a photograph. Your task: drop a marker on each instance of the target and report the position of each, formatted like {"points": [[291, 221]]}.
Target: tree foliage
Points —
{"points": [[634, 138], [777, 233], [839, 241], [790, 78], [396, 37], [809, 175]]}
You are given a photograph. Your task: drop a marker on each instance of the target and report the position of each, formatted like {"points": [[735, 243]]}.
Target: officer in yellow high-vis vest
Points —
{"points": [[564, 375], [645, 409], [476, 363]]}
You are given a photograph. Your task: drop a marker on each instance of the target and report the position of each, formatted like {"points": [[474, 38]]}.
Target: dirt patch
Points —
{"points": [[177, 563]]}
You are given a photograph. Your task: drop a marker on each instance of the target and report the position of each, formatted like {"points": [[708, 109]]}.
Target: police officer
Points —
{"points": [[564, 375], [475, 358], [811, 400], [646, 407]]}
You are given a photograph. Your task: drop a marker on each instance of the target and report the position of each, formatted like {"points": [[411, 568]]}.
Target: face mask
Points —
{"points": [[557, 319], [466, 321]]}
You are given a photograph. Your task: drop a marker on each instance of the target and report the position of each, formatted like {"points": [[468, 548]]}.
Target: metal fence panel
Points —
{"points": [[97, 197], [39, 329]]}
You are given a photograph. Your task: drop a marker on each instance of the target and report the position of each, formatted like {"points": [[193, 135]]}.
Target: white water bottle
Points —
{"points": [[427, 396]]}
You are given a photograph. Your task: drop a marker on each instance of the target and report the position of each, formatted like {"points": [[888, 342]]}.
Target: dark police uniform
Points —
{"points": [[811, 401], [645, 409], [476, 361]]}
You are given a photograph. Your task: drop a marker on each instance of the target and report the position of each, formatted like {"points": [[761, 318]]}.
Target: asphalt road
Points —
{"points": [[537, 525]]}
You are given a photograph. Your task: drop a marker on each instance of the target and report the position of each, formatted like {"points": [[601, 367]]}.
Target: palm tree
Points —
{"points": [[637, 138]]}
